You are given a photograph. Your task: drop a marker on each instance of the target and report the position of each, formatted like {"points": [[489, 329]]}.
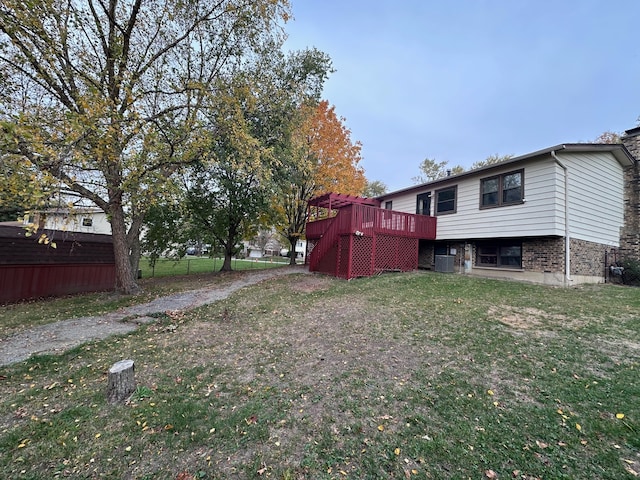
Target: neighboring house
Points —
{"points": [[78, 219], [551, 216]]}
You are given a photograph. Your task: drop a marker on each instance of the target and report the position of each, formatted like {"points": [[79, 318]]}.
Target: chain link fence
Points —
{"points": [[192, 265]]}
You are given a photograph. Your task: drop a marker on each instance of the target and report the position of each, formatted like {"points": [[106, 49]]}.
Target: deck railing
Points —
{"points": [[365, 220], [328, 238]]}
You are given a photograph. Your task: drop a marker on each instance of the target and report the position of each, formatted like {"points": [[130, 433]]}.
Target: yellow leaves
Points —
{"points": [[381, 428], [397, 451], [490, 392], [619, 416], [578, 427]]}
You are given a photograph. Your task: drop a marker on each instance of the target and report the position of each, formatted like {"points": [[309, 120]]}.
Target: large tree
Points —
{"points": [[491, 160], [228, 189], [323, 158], [375, 188], [431, 169], [105, 94]]}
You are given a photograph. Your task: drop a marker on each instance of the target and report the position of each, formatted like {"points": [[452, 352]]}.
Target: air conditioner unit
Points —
{"points": [[445, 263]]}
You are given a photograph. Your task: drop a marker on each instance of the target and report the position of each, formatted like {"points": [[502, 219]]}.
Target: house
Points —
{"points": [[77, 219], [552, 216]]}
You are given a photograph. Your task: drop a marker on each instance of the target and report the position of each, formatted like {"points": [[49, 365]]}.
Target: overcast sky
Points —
{"points": [[459, 80]]}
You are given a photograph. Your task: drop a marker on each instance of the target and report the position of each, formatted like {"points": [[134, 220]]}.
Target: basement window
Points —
{"points": [[499, 255]]}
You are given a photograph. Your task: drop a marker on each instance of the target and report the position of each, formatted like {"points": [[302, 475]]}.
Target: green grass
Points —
{"points": [[418, 375], [192, 265]]}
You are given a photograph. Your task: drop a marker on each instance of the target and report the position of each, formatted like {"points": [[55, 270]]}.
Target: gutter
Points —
{"points": [[567, 239]]}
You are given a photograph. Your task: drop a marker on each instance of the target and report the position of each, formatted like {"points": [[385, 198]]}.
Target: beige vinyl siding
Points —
{"points": [[407, 203], [542, 214], [596, 184], [539, 215]]}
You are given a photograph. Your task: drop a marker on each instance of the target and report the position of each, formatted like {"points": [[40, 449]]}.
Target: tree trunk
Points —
{"points": [[229, 248], [133, 240], [228, 254], [125, 282], [121, 381], [292, 251]]}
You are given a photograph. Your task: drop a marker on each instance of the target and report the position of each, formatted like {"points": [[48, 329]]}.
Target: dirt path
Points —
{"points": [[60, 336]]}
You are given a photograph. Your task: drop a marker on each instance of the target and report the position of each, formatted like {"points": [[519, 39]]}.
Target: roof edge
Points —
{"points": [[619, 151]]}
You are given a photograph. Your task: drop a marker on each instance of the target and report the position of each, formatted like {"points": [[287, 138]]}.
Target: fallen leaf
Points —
{"points": [[489, 392], [619, 416], [490, 474], [578, 427], [381, 428], [541, 444], [632, 471], [397, 451], [251, 419]]}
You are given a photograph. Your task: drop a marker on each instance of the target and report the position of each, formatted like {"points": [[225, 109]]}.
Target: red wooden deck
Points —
{"points": [[362, 239]]}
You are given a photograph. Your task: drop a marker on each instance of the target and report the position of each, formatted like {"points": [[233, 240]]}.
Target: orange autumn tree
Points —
{"points": [[322, 159]]}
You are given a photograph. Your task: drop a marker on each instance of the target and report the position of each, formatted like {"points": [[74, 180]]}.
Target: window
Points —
{"points": [[446, 200], [502, 255], [423, 204], [388, 205], [505, 189], [87, 222]]}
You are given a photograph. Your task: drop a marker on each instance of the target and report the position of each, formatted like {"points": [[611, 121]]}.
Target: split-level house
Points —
{"points": [[554, 216]]}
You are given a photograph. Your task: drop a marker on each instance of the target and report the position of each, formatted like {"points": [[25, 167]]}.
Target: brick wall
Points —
{"points": [[630, 232], [425, 254], [543, 255], [587, 258]]}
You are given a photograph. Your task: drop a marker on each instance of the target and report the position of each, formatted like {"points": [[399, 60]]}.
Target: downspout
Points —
{"points": [[567, 239]]}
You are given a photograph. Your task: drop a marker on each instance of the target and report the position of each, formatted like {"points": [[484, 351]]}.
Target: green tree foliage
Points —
{"points": [[105, 95], [22, 189], [491, 160], [375, 188], [228, 190], [608, 137], [431, 170]]}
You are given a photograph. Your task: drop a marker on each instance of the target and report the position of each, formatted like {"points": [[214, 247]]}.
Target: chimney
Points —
{"points": [[631, 140], [630, 232]]}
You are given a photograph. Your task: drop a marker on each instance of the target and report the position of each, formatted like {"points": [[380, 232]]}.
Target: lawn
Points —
{"points": [[190, 265], [417, 375]]}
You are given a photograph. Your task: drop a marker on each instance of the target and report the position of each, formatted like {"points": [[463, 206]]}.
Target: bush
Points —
{"points": [[631, 272]]}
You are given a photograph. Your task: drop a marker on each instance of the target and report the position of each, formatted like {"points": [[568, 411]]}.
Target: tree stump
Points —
{"points": [[121, 382]]}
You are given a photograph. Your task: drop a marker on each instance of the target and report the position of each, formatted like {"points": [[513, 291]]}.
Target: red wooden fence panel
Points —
{"points": [[81, 262]]}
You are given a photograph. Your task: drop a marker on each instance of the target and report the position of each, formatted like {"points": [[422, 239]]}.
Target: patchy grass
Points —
{"points": [[417, 375], [15, 317]]}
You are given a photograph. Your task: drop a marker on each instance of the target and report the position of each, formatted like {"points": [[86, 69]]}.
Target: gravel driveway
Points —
{"points": [[60, 336]]}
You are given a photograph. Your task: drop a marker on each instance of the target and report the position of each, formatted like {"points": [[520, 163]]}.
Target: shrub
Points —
{"points": [[631, 272]]}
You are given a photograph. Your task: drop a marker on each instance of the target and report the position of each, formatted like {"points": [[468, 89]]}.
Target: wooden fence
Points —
{"points": [[81, 262]]}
